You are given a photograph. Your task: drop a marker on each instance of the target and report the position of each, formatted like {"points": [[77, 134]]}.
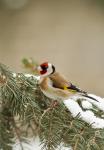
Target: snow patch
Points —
{"points": [[87, 116], [86, 105], [34, 144]]}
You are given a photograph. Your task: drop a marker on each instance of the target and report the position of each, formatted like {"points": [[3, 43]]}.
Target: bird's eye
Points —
{"points": [[44, 67]]}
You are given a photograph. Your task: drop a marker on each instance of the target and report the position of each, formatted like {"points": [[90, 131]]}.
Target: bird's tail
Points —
{"points": [[75, 89], [85, 95]]}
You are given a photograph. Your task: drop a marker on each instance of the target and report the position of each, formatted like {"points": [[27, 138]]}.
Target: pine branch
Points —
{"points": [[25, 110]]}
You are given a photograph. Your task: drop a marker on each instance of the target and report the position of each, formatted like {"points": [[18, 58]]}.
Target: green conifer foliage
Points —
{"points": [[25, 112]]}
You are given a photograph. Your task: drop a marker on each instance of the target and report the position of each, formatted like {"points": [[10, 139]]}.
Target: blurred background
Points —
{"points": [[68, 33]]}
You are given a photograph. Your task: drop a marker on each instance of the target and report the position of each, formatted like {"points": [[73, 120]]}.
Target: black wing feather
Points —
{"points": [[73, 87]]}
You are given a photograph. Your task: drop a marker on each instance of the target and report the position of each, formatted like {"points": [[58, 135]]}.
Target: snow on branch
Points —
{"points": [[88, 114], [77, 122], [87, 103]]}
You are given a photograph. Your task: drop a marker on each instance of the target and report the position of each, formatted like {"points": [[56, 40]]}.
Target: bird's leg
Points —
{"points": [[54, 104]]}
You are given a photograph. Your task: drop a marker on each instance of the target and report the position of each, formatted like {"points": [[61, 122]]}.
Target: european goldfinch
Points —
{"points": [[55, 86]]}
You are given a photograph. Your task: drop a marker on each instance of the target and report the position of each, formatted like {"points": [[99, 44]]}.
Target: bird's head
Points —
{"points": [[45, 69]]}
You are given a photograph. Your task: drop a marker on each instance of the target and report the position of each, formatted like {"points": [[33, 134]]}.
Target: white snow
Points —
{"points": [[27, 75], [34, 144], [99, 104], [87, 116], [86, 104]]}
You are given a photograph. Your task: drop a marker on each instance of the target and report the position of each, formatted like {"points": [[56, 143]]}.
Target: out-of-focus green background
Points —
{"points": [[68, 33]]}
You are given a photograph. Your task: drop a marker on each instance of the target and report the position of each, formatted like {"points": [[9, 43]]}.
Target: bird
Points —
{"points": [[56, 86]]}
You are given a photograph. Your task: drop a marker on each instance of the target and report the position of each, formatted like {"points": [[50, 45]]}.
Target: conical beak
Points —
{"points": [[37, 70]]}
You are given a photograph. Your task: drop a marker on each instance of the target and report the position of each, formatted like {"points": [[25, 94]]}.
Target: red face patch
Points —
{"points": [[43, 71], [45, 64], [44, 67]]}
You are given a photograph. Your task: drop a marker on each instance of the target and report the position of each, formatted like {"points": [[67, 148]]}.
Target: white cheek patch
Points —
{"points": [[49, 70]]}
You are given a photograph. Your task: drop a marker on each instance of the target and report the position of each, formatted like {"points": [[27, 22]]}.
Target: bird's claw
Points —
{"points": [[54, 104]]}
